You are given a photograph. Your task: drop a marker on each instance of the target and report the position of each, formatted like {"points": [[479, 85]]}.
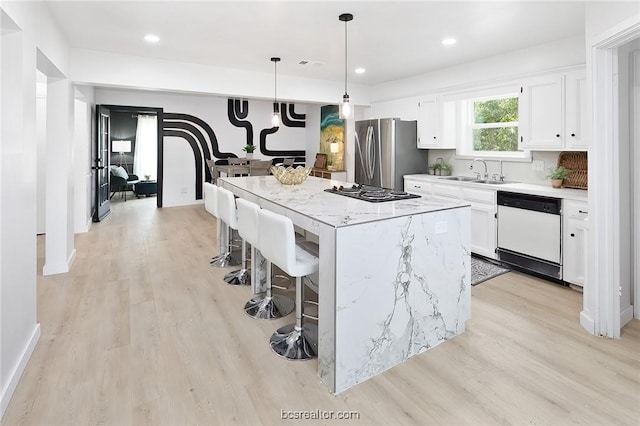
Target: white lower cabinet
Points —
{"points": [[574, 242], [483, 210], [483, 220]]}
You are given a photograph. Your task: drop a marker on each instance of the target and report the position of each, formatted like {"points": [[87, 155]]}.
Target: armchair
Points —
{"points": [[118, 182]]}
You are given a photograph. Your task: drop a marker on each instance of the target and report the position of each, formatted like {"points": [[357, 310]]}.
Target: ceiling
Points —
{"points": [[391, 40]]}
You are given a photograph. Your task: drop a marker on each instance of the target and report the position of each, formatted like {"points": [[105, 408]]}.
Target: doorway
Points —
{"points": [[125, 126]]}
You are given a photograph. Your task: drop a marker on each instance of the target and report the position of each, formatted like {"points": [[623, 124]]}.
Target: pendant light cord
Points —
{"points": [[345, 57], [275, 82]]}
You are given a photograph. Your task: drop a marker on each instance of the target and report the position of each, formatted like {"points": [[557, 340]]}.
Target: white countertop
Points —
{"points": [[527, 188], [335, 210]]}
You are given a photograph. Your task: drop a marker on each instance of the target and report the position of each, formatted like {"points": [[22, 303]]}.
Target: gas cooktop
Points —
{"points": [[372, 194]]}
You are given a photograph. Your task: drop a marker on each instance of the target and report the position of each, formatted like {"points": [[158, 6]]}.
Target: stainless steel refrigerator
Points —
{"points": [[386, 150]]}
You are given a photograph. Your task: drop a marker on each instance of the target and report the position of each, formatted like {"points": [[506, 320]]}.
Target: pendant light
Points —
{"points": [[275, 118], [346, 109]]}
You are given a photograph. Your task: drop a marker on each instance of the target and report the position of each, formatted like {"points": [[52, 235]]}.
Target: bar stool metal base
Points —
{"points": [[224, 261], [295, 344], [239, 277], [269, 307]]}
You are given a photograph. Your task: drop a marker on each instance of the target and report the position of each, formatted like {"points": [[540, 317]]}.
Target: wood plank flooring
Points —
{"points": [[143, 331]]}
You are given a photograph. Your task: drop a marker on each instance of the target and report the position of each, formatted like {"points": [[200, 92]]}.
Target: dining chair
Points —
{"points": [[240, 166], [259, 168]]}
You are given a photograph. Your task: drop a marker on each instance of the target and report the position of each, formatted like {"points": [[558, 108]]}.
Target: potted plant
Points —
{"points": [[249, 150], [147, 177], [437, 168], [432, 169], [557, 176], [445, 169]]}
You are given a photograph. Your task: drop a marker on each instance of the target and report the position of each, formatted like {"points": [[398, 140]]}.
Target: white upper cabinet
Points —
{"points": [[436, 123], [541, 106], [576, 128], [553, 112]]}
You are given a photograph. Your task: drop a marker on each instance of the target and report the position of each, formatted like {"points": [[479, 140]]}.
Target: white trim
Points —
{"points": [[635, 134], [626, 315], [601, 298], [14, 376], [59, 268]]}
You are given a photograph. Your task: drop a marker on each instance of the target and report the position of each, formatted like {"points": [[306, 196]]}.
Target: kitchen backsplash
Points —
{"points": [[512, 170]]}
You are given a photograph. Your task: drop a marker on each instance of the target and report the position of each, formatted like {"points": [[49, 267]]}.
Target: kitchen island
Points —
{"points": [[394, 277]]}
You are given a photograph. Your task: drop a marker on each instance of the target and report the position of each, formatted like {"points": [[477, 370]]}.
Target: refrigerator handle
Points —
{"points": [[371, 154], [360, 154]]}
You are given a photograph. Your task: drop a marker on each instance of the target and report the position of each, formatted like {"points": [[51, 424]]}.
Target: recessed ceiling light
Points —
{"points": [[448, 41], [152, 38], [360, 70]]}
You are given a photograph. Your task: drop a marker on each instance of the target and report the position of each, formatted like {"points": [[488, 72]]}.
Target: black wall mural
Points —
{"points": [[204, 143]]}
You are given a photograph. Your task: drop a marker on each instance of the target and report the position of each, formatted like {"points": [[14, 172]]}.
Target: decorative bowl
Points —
{"points": [[289, 175]]}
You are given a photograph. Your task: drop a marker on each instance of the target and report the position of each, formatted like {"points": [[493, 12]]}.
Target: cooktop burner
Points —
{"points": [[372, 194]]}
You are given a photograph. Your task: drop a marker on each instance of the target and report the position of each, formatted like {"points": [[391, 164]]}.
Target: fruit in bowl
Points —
{"points": [[290, 175]]}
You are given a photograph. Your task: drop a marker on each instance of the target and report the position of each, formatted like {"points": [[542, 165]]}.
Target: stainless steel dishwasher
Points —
{"points": [[530, 232]]}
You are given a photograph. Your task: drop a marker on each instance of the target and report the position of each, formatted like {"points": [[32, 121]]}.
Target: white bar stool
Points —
{"points": [[277, 243], [265, 305], [211, 206], [227, 214]]}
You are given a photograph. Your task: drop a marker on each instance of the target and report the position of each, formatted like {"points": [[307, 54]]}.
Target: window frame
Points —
{"points": [[466, 100]]}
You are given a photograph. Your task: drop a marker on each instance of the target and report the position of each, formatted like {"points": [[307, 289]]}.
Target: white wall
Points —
{"points": [[27, 33], [41, 134], [179, 174], [106, 69]]}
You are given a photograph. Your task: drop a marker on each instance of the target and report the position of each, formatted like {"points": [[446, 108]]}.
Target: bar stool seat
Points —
{"points": [[277, 243], [211, 206], [227, 214], [264, 305]]}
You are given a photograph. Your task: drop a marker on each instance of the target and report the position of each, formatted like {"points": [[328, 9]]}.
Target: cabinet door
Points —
{"points": [[574, 242], [428, 123], [483, 229], [541, 107], [576, 110], [417, 187], [448, 123]]}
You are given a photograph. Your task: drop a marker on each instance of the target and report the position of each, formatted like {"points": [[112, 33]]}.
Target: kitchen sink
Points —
{"points": [[461, 178], [472, 179]]}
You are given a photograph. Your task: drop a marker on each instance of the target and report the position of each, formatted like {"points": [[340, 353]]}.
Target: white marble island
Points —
{"points": [[394, 277]]}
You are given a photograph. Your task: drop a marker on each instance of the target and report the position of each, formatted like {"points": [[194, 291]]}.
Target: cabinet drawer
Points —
{"points": [[451, 191], [486, 196], [417, 187], [577, 209]]}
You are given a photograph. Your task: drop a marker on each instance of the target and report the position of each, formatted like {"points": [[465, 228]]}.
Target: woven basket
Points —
{"points": [[577, 165]]}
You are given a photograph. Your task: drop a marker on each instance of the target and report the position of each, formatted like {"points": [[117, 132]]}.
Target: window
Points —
{"points": [[495, 124], [489, 124]]}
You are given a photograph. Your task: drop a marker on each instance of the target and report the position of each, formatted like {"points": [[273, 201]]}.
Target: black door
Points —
{"points": [[101, 163]]}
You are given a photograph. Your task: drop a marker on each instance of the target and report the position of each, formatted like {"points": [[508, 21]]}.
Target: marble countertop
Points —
{"points": [[526, 188], [335, 210]]}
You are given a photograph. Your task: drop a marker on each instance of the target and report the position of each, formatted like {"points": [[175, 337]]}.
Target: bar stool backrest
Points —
{"points": [[227, 208], [248, 221], [211, 198], [277, 241]]}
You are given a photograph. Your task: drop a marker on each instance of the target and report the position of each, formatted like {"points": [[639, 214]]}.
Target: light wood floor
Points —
{"points": [[143, 331]]}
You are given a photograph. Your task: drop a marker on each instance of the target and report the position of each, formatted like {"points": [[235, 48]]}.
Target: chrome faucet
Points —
{"points": [[486, 174]]}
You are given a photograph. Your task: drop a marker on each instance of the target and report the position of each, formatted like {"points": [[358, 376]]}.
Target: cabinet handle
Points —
{"points": [[417, 186], [557, 136], [573, 135], [434, 137], [583, 211], [573, 235]]}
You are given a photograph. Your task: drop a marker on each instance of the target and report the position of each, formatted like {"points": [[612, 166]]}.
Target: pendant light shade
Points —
{"points": [[346, 109], [275, 117]]}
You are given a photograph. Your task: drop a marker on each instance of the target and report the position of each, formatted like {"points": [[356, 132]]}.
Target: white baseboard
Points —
{"points": [[626, 315], [587, 323], [15, 375], [59, 268]]}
